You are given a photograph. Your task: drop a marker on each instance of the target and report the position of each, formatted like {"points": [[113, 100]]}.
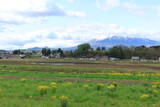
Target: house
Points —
{"points": [[11, 56], [114, 59], [3, 53], [143, 60], [58, 55], [92, 59], [45, 57], [135, 58], [105, 58]]}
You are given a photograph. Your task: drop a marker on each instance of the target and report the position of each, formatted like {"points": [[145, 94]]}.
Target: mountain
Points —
{"points": [[34, 49], [110, 42], [119, 40], [40, 48]]}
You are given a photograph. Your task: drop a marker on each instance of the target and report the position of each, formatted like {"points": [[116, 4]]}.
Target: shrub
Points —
{"points": [[53, 86], [42, 89], [99, 86], [64, 101]]}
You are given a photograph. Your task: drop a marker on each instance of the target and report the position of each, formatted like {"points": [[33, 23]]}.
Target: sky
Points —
{"points": [[66, 23]]}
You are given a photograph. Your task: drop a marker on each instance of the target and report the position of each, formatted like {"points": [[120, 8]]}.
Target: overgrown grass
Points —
{"points": [[16, 93], [19, 82]]}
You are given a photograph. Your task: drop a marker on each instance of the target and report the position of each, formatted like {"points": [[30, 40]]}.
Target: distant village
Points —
{"points": [[85, 52]]}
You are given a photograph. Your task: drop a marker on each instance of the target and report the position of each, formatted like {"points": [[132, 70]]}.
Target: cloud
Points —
{"points": [[71, 1], [68, 36], [107, 5], [76, 14], [130, 6], [2, 29], [29, 11], [134, 8]]}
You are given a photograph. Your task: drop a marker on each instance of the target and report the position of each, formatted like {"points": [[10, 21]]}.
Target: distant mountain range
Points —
{"points": [[119, 40], [113, 41], [35, 48], [40, 48]]}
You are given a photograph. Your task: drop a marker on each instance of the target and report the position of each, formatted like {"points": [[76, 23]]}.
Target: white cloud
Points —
{"points": [[71, 1], [69, 36], [108, 4], [76, 14], [134, 8], [28, 11], [131, 7]]}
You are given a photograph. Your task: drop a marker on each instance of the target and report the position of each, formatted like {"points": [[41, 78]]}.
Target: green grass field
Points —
{"points": [[101, 84]]}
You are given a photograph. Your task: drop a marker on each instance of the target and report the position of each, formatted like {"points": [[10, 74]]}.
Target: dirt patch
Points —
{"points": [[126, 82]]}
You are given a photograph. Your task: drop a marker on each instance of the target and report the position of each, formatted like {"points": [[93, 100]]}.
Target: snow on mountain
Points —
{"points": [[120, 40]]}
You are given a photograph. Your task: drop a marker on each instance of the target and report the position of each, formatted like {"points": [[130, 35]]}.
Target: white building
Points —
{"points": [[135, 58]]}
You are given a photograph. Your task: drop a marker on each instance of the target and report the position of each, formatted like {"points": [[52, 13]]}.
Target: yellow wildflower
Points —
{"points": [[23, 79], [64, 98], [64, 101], [144, 96], [100, 86], [86, 86], [155, 91], [53, 97], [67, 84], [112, 86], [53, 84], [42, 89]]}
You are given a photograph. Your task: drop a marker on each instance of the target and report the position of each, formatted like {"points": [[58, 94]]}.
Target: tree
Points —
{"points": [[98, 49], [46, 51], [117, 52], [17, 52], [69, 54], [103, 48], [83, 50], [60, 51]]}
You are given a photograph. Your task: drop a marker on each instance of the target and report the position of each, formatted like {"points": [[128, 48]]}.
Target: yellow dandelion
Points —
{"points": [[64, 101], [155, 91], [42, 87], [144, 96], [23, 79], [100, 86], [64, 98], [53, 98], [67, 84], [86, 86], [112, 86], [53, 84]]}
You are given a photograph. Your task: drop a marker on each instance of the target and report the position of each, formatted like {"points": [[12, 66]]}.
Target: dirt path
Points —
{"points": [[126, 82], [82, 64]]}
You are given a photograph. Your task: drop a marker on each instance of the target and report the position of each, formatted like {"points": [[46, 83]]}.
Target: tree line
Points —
{"points": [[121, 52], [86, 51]]}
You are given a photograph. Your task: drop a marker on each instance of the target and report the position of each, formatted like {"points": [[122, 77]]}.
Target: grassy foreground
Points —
{"points": [[107, 84], [25, 93]]}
